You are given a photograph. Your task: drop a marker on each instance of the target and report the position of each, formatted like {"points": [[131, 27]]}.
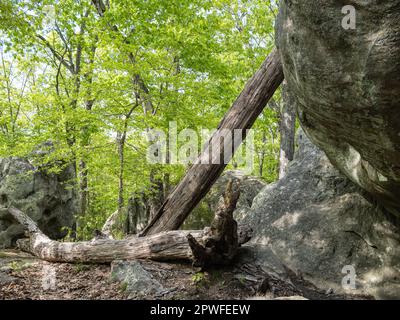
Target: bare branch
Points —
{"points": [[57, 55]]}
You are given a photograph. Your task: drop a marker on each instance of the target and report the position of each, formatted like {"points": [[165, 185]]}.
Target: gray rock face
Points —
{"points": [[315, 221], [47, 198], [203, 214], [138, 281], [346, 85]]}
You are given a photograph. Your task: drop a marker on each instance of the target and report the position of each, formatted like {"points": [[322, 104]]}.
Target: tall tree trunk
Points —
{"points": [[156, 197], [121, 136], [261, 157], [166, 176], [89, 102], [135, 214], [83, 186], [287, 131], [200, 177], [121, 140], [142, 94]]}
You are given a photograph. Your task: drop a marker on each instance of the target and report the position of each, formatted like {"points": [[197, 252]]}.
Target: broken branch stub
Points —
{"points": [[221, 242]]}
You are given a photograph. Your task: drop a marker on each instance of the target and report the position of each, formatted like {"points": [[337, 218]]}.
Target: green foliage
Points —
{"points": [[124, 286], [80, 267], [70, 76], [199, 279], [19, 265], [200, 217]]}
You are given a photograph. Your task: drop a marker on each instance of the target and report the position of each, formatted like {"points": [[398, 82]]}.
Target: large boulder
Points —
{"points": [[249, 187], [315, 221], [346, 86], [48, 198]]}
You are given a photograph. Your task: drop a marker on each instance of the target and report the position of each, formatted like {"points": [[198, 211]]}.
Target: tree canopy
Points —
{"points": [[92, 77]]}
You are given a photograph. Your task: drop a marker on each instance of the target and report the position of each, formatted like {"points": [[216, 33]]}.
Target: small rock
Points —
{"points": [[329, 291], [291, 298], [6, 279], [138, 281]]}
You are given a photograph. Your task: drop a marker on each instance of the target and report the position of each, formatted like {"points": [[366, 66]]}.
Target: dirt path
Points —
{"points": [[24, 277]]}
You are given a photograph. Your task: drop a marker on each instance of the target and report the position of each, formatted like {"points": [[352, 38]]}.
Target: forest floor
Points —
{"points": [[21, 277]]}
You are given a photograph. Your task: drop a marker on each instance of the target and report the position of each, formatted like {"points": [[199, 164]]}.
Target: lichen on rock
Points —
{"points": [[315, 221], [48, 198], [345, 85]]}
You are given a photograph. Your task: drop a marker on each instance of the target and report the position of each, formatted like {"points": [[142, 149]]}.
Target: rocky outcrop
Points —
{"points": [[47, 198], [346, 86], [249, 186], [315, 221]]}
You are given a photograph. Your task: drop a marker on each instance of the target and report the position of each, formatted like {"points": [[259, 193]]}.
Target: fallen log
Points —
{"points": [[220, 241], [202, 174]]}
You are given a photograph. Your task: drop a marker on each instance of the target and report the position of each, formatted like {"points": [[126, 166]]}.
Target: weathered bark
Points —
{"points": [[200, 177], [220, 242], [287, 131]]}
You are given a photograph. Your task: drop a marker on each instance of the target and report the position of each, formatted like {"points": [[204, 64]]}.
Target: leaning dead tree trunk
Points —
{"points": [[214, 245], [208, 166]]}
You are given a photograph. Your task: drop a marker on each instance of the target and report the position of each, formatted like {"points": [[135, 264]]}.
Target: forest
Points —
{"points": [[92, 83], [206, 149]]}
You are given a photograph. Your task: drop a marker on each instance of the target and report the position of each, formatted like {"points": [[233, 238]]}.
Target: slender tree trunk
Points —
{"points": [[200, 177], [287, 131], [121, 140], [121, 155], [142, 94], [84, 171], [156, 196], [166, 177], [135, 213], [261, 157], [83, 186]]}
